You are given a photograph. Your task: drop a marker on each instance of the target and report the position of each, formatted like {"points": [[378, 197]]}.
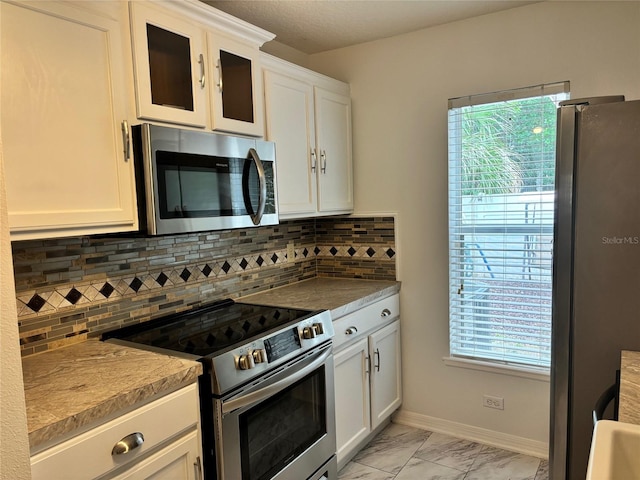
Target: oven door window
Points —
{"points": [[192, 185], [279, 429]]}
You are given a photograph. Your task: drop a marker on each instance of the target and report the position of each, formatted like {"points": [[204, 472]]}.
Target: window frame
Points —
{"points": [[507, 364]]}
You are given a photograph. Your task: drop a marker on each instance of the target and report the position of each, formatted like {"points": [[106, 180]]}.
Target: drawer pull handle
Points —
{"points": [[351, 331], [385, 313], [128, 443]]}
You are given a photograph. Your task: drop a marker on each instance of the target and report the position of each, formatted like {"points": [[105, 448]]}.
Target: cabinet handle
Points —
{"points": [[323, 158], [385, 313], [351, 331], [128, 443], [376, 362], [198, 467], [125, 141], [219, 67], [313, 160], [202, 70]]}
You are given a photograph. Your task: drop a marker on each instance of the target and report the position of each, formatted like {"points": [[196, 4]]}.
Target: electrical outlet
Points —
{"points": [[291, 252], [493, 402]]}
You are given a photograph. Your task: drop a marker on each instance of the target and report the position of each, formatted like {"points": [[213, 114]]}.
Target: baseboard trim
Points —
{"points": [[469, 432]]}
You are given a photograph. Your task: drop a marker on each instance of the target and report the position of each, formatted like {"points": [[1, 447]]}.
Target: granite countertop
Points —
{"points": [[75, 386], [629, 403], [340, 296]]}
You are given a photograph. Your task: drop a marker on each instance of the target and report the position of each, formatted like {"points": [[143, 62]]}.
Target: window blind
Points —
{"points": [[501, 202]]}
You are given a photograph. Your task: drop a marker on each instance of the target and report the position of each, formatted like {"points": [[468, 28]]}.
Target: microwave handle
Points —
{"points": [[257, 215]]}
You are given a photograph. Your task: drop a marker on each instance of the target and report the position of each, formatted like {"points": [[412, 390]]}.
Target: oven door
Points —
{"points": [[282, 427]]}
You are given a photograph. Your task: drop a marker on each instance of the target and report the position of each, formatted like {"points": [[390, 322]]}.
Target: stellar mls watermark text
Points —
{"points": [[621, 240]]}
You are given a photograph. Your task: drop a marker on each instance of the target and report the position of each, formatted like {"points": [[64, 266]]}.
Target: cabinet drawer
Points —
{"points": [[89, 455], [365, 320], [176, 461]]}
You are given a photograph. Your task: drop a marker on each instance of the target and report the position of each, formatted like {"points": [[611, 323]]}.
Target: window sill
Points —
{"points": [[532, 373]]}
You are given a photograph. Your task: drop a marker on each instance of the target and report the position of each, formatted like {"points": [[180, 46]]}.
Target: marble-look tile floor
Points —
{"points": [[406, 453]]}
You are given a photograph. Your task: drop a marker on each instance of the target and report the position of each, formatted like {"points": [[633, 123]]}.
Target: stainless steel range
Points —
{"points": [[267, 394]]}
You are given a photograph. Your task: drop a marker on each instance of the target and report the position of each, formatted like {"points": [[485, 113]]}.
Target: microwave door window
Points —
{"points": [[235, 181], [191, 186]]}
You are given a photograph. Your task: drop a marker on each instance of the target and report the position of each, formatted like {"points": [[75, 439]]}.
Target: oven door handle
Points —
{"points": [[266, 392]]}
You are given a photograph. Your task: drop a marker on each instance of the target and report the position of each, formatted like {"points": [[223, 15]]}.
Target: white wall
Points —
{"points": [[14, 443], [400, 88]]}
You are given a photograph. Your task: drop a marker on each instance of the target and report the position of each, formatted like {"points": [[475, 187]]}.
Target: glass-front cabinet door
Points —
{"points": [[237, 91], [170, 69]]}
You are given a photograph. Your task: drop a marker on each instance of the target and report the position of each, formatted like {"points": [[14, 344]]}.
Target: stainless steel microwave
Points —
{"points": [[190, 181]]}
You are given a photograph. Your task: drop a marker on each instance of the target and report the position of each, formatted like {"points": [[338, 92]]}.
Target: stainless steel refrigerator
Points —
{"points": [[596, 267]]}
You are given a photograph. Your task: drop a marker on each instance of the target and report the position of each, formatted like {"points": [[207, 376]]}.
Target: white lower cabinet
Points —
{"points": [[367, 373], [179, 460], [353, 404], [386, 388], [159, 440]]}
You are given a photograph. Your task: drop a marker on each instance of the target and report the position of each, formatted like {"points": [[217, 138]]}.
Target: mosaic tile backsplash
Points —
{"points": [[70, 289]]}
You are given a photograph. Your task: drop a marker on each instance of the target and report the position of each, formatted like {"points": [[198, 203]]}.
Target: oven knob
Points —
{"points": [[245, 362], [308, 332], [259, 355], [319, 329]]}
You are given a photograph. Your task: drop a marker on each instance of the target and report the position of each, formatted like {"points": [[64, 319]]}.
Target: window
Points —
{"points": [[501, 201]]}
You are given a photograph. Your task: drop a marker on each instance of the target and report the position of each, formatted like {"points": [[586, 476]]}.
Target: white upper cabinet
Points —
{"points": [[291, 124], [64, 100], [236, 97], [197, 66], [333, 137], [170, 69], [308, 115]]}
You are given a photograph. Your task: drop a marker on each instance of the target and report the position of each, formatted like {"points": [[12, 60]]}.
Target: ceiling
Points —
{"points": [[314, 26]]}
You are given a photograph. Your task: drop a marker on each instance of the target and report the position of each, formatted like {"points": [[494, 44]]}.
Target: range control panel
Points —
{"points": [[251, 359]]}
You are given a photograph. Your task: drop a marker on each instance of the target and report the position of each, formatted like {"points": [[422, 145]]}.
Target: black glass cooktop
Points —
{"points": [[207, 330]]}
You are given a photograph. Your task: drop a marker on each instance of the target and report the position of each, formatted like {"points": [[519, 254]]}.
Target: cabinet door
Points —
{"points": [[63, 103], [170, 66], [290, 123], [352, 397], [90, 454], [179, 460], [236, 94], [333, 137], [386, 380]]}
